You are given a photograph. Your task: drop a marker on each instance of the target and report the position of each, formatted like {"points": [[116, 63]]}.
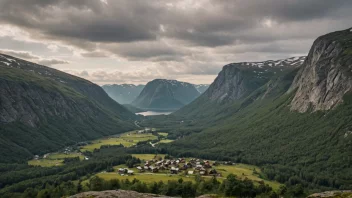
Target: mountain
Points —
{"points": [[325, 76], [124, 93], [292, 117], [237, 81], [201, 87], [43, 109], [161, 94]]}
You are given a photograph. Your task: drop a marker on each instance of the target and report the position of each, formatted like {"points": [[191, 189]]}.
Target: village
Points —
{"points": [[182, 166]]}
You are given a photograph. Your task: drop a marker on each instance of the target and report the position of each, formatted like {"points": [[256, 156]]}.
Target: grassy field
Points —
{"points": [[135, 137], [146, 177], [54, 156], [54, 159], [45, 162], [242, 171], [163, 134], [166, 141], [126, 139], [147, 156]]}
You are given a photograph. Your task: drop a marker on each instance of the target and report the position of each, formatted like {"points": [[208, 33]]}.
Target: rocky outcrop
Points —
{"points": [[161, 94], [326, 75], [332, 194], [124, 194], [116, 193]]}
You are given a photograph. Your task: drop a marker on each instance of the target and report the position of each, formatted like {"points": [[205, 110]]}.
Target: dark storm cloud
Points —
{"points": [[126, 21], [194, 36], [90, 20], [146, 50]]}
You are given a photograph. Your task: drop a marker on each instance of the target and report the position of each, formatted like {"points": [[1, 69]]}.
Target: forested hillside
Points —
{"points": [[42, 109], [260, 120]]}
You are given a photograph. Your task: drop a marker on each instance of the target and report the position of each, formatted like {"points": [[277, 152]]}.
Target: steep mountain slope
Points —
{"points": [[201, 87], [325, 76], [296, 124], [43, 109], [124, 93], [161, 94], [237, 82]]}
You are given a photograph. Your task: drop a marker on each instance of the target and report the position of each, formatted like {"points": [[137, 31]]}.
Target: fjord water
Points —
{"points": [[154, 113]]}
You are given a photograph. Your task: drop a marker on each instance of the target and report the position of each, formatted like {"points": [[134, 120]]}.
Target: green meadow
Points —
{"points": [[127, 139]]}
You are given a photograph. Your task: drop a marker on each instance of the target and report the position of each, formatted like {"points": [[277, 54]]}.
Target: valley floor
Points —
{"points": [[132, 138]]}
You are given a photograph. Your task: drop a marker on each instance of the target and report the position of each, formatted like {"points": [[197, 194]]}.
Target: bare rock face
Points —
{"points": [[325, 76]]}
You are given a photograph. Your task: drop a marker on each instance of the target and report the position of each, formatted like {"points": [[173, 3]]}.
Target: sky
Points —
{"points": [[135, 41]]}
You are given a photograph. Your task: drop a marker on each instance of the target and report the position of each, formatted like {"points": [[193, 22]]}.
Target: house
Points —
{"points": [[189, 165], [140, 169], [174, 170], [130, 172], [228, 163], [154, 169], [146, 168], [122, 170], [159, 162], [36, 157], [207, 164], [202, 172], [198, 167], [190, 172], [86, 158], [184, 167]]}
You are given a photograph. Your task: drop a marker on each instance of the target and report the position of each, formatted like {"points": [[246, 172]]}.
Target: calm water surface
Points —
{"points": [[153, 113]]}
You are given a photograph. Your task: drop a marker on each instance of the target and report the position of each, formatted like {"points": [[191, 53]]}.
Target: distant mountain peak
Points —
{"points": [[123, 93], [162, 94]]}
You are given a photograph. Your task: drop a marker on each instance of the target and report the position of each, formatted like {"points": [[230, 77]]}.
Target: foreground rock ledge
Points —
{"points": [[333, 194], [114, 194], [122, 194]]}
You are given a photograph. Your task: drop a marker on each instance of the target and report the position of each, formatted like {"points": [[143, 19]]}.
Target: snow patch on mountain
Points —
{"points": [[289, 62]]}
